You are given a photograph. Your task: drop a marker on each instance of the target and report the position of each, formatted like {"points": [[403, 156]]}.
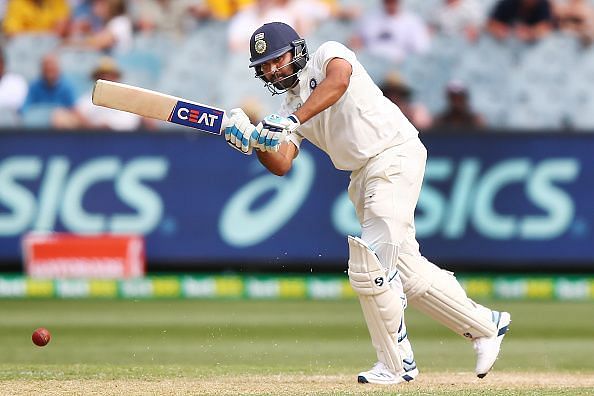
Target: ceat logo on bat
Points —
{"points": [[204, 118]]}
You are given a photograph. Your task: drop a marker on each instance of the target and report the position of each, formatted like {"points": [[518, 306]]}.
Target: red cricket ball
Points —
{"points": [[41, 336]]}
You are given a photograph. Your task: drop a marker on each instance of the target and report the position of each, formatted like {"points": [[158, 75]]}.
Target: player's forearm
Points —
{"points": [[280, 162]]}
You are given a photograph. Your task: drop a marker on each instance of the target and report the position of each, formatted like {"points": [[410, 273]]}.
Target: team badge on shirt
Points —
{"points": [[313, 84], [260, 44]]}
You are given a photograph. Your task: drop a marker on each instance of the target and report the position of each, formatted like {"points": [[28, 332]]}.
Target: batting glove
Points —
{"points": [[273, 130], [240, 133]]}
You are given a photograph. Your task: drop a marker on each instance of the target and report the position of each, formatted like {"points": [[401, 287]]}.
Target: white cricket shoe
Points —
{"points": [[380, 374], [487, 348]]}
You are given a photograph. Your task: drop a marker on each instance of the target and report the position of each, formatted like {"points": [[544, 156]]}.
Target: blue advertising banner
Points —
{"points": [[489, 198]]}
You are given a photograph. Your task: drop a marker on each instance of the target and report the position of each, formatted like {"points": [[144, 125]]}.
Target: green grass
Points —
{"points": [[328, 336], [168, 339]]}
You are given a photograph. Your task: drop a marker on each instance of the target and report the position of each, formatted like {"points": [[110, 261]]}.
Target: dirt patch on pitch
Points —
{"points": [[427, 383]]}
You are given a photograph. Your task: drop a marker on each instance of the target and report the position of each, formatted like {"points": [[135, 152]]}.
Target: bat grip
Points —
{"points": [[225, 122]]}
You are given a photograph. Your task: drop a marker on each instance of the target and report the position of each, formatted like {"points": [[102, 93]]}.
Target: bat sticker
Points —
{"points": [[195, 116]]}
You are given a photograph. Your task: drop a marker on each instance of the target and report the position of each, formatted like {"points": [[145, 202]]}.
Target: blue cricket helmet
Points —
{"points": [[272, 40]]}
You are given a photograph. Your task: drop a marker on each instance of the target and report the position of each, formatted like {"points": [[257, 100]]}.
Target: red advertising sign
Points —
{"points": [[63, 255]]}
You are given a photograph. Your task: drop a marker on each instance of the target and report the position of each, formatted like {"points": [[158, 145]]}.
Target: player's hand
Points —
{"points": [[240, 133], [273, 130]]}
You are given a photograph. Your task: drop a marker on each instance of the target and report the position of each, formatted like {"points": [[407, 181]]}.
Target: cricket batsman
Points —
{"points": [[332, 102]]}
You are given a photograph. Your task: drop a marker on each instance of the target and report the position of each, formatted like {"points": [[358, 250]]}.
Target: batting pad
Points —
{"points": [[382, 306], [438, 294]]}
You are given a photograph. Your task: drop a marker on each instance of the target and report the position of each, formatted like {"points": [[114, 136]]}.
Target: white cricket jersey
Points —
{"points": [[360, 125]]}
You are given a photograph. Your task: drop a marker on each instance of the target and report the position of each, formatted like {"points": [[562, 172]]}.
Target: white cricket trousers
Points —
{"points": [[385, 193]]}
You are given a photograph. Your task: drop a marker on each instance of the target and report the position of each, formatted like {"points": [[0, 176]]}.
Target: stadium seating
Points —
{"points": [[512, 84], [332, 30], [580, 106], [423, 8], [78, 66], [38, 116], [580, 88], [141, 68], [24, 52], [376, 66], [8, 119]]}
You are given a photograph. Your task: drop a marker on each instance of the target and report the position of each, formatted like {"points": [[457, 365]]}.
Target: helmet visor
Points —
{"points": [[271, 56]]}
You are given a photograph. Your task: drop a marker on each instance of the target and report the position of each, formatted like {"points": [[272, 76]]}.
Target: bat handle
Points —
{"points": [[225, 122]]}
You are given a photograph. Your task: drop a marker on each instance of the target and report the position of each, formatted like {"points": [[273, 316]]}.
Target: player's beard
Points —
{"points": [[285, 83]]}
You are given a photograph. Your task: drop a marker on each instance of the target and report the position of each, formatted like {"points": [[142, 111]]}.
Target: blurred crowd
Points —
{"points": [[388, 29]]}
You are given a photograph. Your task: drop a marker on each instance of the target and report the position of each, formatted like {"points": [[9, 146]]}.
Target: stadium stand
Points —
{"points": [[24, 53], [77, 64], [9, 118], [38, 116], [544, 85]]}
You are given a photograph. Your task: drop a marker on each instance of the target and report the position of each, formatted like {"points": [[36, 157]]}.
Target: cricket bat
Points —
{"points": [[160, 106]]}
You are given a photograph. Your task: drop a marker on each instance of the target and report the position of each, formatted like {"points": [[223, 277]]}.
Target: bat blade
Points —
{"points": [[153, 104]]}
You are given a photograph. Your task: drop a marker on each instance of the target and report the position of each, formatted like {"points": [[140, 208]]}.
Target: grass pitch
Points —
{"points": [[275, 347]]}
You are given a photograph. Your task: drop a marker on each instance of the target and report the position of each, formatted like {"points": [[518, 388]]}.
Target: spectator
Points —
{"points": [[88, 116], [225, 9], [3, 8], [526, 20], [305, 15], [36, 16], [250, 18], [174, 17], [392, 32], [82, 20], [343, 12], [310, 13], [458, 115], [575, 17], [115, 36], [395, 89], [51, 88], [13, 88], [458, 18]]}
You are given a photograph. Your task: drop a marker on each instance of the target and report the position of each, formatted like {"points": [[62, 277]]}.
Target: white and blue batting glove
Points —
{"points": [[273, 130], [240, 133]]}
